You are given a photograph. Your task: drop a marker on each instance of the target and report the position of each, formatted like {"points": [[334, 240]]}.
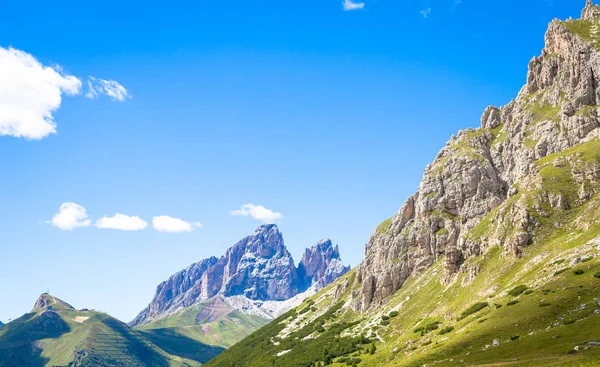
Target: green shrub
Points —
{"points": [[372, 349], [384, 317], [446, 330], [432, 327], [545, 304], [587, 259], [473, 309], [419, 329], [517, 290], [529, 291], [569, 321], [394, 314], [515, 337], [513, 302], [597, 275], [497, 305], [427, 342], [482, 321], [384, 322], [578, 271]]}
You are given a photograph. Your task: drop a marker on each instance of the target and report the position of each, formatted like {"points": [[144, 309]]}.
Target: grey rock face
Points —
{"points": [[476, 170], [258, 267], [321, 265]]}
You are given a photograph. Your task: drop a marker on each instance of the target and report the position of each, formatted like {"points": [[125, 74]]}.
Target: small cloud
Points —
{"points": [[30, 93], [351, 5], [122, 222], [70, 216], [111, 88], [164, 223], [425, 12], [257, 212]]}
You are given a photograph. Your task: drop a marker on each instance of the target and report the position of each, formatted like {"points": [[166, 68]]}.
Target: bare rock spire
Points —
{"points": [[590, 12]]}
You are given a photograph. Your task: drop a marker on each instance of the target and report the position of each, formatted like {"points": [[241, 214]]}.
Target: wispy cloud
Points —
{"points": [[425, 12], [257, 212], [352, 5], [70, 216], [164, 223], [122, 222], [110, 88]]}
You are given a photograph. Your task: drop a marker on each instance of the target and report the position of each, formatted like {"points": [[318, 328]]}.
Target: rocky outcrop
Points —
{"points": [[258, 268], [180, 290], [46, 301], [320, 265], [479, 169]]}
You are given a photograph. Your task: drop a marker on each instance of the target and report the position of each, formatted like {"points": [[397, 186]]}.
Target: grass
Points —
{"points": [[384, 227], [583, 29]]}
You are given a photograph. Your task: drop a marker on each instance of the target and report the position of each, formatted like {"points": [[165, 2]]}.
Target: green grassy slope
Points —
{"points": [[222, 331], [542, 309], [66, 337]]}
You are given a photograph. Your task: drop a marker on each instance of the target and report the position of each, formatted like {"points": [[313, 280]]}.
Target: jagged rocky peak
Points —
{"points": [[591, 11], [259, 268], [321, 265], [480, 169]]}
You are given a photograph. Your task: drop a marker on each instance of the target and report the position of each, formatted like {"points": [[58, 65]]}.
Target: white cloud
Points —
{"points": [[29, 93], [164, 223], [111, 88], [425, 12], [257, 212], [122, 222], [351, 5], [71, 216]]}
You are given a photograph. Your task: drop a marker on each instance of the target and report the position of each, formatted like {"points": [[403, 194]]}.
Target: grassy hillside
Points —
{"points": [[220, 329], [540, 309], [66, 337]]}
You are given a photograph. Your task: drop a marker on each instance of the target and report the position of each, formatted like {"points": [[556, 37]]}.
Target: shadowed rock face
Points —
{"points": [[258, 267], [321, 265], [477, 170]]}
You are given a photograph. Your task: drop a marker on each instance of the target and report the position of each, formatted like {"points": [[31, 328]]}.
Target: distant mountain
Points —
{"points": [[55, 334], [254, 281]]}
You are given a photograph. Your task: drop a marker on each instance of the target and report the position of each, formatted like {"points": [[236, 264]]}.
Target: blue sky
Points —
{"points": [[324, 115]]}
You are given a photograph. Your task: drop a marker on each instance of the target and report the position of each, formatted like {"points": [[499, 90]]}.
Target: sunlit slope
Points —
{"points": [[540, 309]]}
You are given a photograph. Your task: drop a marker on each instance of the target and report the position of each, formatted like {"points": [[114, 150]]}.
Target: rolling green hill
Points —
{"points": [[64, 336]]}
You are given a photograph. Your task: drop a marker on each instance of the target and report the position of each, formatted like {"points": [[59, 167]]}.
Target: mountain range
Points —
{"points": [[193, 316], [494, 261]]}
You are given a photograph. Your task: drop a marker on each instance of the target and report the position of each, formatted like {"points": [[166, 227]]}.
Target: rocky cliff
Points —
{"points": [[482, 171], [257, 268], [321, 265]]}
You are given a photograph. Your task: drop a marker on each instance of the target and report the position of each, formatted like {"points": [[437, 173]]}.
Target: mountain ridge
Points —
{"points": [[494, 261], [257, 270]]}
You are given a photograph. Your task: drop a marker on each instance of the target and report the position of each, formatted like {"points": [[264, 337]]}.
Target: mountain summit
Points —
{"points": [[256, 271], [495, 260]]}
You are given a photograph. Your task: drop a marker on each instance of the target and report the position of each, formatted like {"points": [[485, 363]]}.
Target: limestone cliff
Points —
{"points": [[481, 169]]}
